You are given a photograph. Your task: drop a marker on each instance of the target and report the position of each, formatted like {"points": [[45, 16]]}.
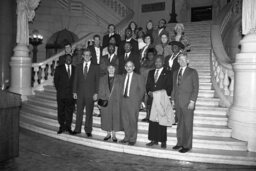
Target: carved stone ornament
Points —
{"points": [[25, 14]]}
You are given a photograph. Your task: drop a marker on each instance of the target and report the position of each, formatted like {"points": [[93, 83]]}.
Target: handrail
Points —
{"points": [[42, 72], [221, 64]]}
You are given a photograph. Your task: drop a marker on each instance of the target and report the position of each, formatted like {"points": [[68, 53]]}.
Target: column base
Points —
{"points": [[21, 71]]}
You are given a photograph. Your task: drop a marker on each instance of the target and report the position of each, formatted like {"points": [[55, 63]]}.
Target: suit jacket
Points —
{"points": [[89, 86], [175, 65], [188, 88], [62, 59], [106, 39], [94, 57], [62, 83], [134, 57], [137, 89], [164, 82], [134, 44], [157, 36], [105, 62]]}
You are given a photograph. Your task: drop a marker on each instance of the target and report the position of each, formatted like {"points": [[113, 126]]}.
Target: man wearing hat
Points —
{"points": [[171, 61]]}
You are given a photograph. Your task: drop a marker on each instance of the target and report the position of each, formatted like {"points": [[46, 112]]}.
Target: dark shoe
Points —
{"points": [[75, 132], [107, 137], [145, 120], [131, 143], [177, 147], [60, 131], [184, 150], [70, 131], [123, 141], [174, 123], [152, 143], [89, 134], [114, 139], [163, 145]]}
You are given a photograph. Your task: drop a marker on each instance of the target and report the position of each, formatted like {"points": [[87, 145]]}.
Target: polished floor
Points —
{"points": [[41, 153]]}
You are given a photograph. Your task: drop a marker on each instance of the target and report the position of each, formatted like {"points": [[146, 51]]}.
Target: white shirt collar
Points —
{"points": [[128, 40]]}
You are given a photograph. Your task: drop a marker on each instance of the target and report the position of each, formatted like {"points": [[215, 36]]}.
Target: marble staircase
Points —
{"points": [[212, 142]]}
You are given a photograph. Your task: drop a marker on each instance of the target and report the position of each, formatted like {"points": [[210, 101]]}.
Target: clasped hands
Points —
{"points": [[95, 96]]}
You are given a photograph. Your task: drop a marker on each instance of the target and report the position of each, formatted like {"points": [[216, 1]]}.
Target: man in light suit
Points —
{"points": [[133, 91], [63, 82], [85, 90], [184, 96]]}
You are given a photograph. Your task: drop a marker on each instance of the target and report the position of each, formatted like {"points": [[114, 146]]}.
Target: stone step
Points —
{"points": [[195, 155], [200, 110], [199, 130], [198, 141], [202, 119]]}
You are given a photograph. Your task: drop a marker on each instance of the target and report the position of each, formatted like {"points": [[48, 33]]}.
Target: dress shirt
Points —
{"points": [[97, 50], [128, 40], [110, 57], [127, 54], [88, 65], [159, 72], [129, 83], [159, 31], [183, 70], [143, 51], [111, 34], [70, 68]]}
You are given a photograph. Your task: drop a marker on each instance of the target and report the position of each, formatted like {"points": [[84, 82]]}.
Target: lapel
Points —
{"points": [[162, 75], [65, 71], [185, 74]]}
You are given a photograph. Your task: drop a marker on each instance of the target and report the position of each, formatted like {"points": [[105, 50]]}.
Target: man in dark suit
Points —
{"points": [[109, 59], [96, 50], [185, 93], [158, 32], [111, 33], [158, 79], [133, 91], [85, 90], [129, 55], [128, 38], [63, 81], [68, 51]]}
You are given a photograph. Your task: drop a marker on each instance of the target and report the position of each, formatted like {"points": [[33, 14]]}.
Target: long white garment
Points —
{"points": [[161, 110]]}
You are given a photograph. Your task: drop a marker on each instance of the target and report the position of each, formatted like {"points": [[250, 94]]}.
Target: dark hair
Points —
{"points": [[129, 26], [96, 35], [148, 35], [111, 25], [163, 20], [87, 50], [66, 42], [159, 57]]}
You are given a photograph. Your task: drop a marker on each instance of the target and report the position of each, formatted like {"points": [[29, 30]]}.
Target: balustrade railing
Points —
{"points": [[43, 72], [221, 65]]}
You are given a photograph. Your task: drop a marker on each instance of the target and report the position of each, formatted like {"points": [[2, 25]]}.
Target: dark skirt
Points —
{"points": [[156, 132]]}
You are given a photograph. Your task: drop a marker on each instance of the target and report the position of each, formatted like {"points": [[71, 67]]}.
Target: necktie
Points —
{"points": [[126, 86], [85, 70], [180, 77], [126, 56], [156, 75], [69, 73]]}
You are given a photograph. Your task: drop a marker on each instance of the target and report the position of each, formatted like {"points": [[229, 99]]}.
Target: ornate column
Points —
{"points": [[21, 62], [243, 111]]}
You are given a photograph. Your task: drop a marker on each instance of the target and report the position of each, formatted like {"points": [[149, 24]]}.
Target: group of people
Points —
{"points": [[148, 69]]}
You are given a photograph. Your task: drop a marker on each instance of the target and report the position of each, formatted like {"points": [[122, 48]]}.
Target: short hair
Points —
{"points": [[87, 50], [96, 35], [163, 20], [151, 38], [159, 57], [66, 42], [127, 29], [111, 25], [68, 55], [131, 62]]}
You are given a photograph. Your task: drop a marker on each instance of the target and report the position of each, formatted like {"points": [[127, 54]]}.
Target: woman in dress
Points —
{"points": [[179, 35], [134, 27], [109, 90]]}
